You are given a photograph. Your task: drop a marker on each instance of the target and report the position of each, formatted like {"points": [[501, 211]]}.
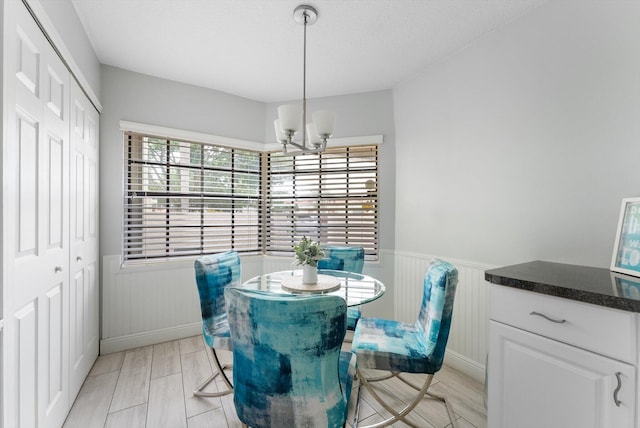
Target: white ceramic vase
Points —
{"points": [[309, 274]]}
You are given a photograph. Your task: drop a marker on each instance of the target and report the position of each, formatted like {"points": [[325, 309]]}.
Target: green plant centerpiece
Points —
{"points": [[307, 253]]}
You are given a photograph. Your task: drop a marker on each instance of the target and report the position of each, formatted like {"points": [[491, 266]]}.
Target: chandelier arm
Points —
{"points": [[306, 151]]}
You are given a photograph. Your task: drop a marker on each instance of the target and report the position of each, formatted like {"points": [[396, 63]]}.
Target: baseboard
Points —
{"points": [[465, 365], [123, 343]]}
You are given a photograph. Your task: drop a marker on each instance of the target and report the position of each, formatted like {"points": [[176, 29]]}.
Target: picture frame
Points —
{"points": [[626, 250]]}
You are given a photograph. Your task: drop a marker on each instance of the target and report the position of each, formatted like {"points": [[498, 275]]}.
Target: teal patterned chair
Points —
{"points": [[214, 273], [289, 370], [345, 259], [418, 347]]}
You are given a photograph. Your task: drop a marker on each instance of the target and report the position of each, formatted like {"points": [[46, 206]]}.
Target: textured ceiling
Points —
{"points": [[253, 48]]}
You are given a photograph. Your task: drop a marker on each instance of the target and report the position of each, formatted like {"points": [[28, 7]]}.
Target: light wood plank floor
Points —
{"points": [[152, 387]]}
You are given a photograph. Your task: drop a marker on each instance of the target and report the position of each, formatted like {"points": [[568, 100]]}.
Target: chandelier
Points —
{"points": [[291, 119]]}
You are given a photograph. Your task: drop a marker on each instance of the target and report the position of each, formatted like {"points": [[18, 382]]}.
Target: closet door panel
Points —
{"points": [[36, 226], [54, 388], [84, 237], [55, 95], [78, 184], [28, 63], [25, 184], [23, 411], [92, 338], [76, 323], [53, 294], [56, 192]]}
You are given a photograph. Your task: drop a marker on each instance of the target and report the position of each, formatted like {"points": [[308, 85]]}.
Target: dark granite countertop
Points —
{"points": [[597, 286]]}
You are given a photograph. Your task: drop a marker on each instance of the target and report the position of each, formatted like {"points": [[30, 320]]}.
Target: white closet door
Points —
{"points": [[36, 226], [84, 295], [1, 372]]}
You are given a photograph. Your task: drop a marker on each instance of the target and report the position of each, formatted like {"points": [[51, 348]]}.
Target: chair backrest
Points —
{"points": [[285, 358], [440, 283], [343, 258], [213, 273]]}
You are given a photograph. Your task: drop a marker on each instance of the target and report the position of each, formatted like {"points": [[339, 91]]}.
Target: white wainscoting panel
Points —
{"points": [[152, 303], [468, 338]]}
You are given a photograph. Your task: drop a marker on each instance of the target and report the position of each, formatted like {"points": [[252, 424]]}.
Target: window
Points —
{"points": [[330, 197], [186, 198]]}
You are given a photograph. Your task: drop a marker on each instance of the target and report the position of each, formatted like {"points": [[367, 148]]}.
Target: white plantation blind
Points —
{"points": [[187, 198], [330, 197]]}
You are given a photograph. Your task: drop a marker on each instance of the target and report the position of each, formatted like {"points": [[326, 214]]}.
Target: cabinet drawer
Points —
{"points": [[606, 331]]}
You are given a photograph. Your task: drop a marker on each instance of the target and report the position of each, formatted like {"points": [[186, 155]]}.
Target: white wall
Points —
{"points": [[516, 148], [521, 146]]}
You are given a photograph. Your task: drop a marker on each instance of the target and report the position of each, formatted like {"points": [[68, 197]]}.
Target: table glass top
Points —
{"points": [[355, 288]]}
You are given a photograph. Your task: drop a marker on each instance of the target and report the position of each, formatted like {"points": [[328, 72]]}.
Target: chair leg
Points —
{"points": [[447, 405], [400, 416], [356, 413], [219, 370], [438, 397], [385, 377]]}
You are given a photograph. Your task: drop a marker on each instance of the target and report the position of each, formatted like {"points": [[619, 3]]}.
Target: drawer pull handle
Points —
{"points": [[615, 392], [57, 269], [548, 318]]}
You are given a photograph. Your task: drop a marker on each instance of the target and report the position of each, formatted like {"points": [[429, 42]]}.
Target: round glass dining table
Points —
{"points": [[355, 289]]}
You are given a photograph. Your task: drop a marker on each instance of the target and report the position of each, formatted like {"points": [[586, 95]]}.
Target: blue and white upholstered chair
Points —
{"points": [[289, 370], [410, 348], [349, 259], [213, 273]]}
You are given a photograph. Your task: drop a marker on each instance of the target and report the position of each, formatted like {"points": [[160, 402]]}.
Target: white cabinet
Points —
{"points": [[559, 363], [538, 382]]}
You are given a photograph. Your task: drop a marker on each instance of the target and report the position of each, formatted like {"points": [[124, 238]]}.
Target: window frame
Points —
{"points": [[335, 192], [265, 149], [191, 212]]}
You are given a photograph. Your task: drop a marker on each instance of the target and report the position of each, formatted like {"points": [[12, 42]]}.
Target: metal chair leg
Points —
{"points": [[438, 397], [356, 413], [219, 371], [447, 405], [383, 377], [400, 416]]}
